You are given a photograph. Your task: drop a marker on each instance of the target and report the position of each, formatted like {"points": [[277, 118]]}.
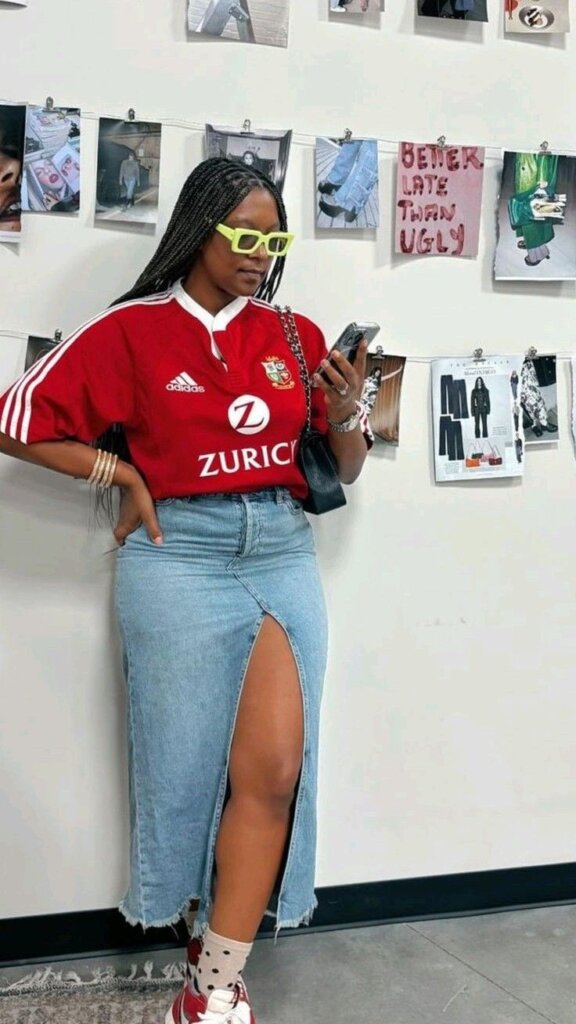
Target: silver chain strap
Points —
{"points": [[293, 338]]}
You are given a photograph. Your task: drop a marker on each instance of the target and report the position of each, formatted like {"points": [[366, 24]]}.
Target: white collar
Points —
{"points": [[212, 323]]}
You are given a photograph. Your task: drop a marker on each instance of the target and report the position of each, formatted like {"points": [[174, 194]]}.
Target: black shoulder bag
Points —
{"points": [[315, 458]]}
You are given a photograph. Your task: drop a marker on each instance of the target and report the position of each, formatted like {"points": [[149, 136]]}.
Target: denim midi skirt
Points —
{"points": [[189, 613]]}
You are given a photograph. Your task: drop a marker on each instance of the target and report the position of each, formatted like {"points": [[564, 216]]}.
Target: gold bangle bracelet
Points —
{"points": [[96, 467], [107, 480], [105, 469]]}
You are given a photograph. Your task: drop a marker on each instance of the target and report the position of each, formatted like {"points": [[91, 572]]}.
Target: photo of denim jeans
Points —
{"points": [[347, 183]]}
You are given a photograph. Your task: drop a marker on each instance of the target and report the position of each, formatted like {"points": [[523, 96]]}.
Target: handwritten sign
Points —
{"points": [[438, 199]]}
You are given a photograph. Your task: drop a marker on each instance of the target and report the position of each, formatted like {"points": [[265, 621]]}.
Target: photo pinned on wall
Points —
{"points": [[382, 393], [128, 171], [267, 151], [438, 199], [264, 22], [535, 19], [51, 180], [12, 125], [36, 348], [456, 10], [347, 183], [478, 430], [539, 400], [536, 218], [362, 11]]}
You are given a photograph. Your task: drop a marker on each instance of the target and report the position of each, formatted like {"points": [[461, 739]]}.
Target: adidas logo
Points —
{"points": [[184, 382]]}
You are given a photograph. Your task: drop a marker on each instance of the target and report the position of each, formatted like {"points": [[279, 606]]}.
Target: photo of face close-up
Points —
{"points": [[263, 22], [12, 121]]}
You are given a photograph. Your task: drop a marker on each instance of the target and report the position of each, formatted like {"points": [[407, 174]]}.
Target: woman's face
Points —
{"points": [[479, 382], [9, 173], [237, 274], [47, 174]]}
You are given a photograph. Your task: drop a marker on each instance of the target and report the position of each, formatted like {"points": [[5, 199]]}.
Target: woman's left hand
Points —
{"points": [[345, 384]]}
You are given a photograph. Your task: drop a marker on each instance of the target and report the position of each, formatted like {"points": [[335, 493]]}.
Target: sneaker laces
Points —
{"points": [[214, 1017], [222, 1011]]}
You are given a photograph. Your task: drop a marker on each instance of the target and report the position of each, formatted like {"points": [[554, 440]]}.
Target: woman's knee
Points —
{"points": [[271, 781]]}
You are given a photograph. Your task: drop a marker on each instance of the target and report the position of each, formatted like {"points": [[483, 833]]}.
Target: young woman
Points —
{"points": [[217, 591]]}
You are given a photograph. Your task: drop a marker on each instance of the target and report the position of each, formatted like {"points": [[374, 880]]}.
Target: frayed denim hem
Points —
{"points": [[296, 922], [164, 922], [198, 928]]}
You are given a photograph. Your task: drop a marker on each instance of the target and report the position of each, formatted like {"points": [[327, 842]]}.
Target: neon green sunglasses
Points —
{"points": [[247, 241]]}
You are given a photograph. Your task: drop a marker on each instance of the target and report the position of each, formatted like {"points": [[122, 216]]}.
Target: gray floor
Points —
{"points": [[507, 968]]}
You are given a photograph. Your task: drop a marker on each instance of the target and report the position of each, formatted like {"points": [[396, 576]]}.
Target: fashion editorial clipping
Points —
{"points": [[536, 218], [478, 430]]}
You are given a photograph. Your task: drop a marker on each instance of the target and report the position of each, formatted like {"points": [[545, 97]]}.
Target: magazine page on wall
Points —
{"points": [[539, 400], [537, 218], [382, 394], [267, 151], [246, 21], [51, 180], [532, 19], [438, 199], [477, 418], [347, 183], [128, 171]]}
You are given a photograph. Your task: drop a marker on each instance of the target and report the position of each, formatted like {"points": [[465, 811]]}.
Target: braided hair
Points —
{"points": [[210, 193]]}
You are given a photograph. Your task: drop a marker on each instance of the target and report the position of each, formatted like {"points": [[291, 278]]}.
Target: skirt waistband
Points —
{"points": [[277, 494]]}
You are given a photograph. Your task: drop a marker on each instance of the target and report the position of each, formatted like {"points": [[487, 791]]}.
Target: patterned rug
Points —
{"points": [[93, 1007], [142, 995]]}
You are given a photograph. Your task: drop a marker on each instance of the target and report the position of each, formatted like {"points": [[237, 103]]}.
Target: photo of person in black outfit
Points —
{"points": [[480, 407]]}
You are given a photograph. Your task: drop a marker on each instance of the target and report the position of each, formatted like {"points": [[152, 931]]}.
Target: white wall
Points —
{"points": [[448, 739]]}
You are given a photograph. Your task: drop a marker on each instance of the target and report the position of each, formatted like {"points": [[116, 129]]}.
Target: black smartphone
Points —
{"points": [[349, 341]]}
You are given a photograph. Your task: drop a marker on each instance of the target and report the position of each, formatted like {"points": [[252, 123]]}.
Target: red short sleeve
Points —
{"points": [[77, 390]]}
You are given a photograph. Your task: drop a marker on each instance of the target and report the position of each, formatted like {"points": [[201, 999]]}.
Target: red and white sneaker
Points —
{"points": [[222, 1006], [193, 950]]}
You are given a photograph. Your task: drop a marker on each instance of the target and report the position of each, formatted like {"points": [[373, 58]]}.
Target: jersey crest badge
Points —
{"points": [[278, 373]]}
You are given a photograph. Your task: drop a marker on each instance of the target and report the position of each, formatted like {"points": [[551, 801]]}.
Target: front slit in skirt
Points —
{"points": [[189, 613]]}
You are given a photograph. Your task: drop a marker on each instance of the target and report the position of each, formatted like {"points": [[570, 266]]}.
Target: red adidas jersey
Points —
{"points": [[207, 403]]}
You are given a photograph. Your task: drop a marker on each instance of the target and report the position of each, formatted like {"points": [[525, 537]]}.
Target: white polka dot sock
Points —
{"points": [[220, 962]]}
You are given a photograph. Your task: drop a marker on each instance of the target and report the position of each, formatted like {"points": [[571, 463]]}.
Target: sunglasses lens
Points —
{"points": [[247, 241], [278, 246]]}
